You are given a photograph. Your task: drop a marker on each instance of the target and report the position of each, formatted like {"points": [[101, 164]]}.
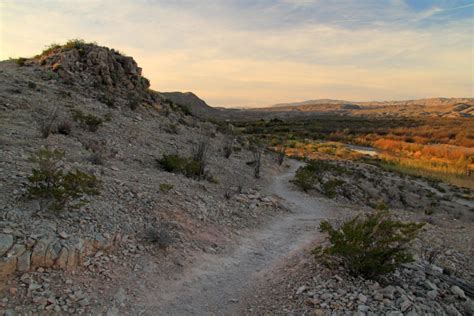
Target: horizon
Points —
{"points": [[242, 54]]}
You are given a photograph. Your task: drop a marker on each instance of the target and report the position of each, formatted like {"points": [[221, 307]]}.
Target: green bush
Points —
{"points": [[184, 165], [368, 246], [55, 188], [88, 121], [304, 179], [173, 163], [21, 61], [329, 187], [165, 187]]}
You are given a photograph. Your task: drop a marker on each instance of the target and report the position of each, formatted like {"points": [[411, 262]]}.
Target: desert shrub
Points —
{"points": [[329, 187], [227, 146], [200, 154], [74, 43], [368, 246], [173, 163], [49, 49], [89, 121], [64, 128], [46, 123], [281, 155], [160, 236], [171, 128], [96, 158], [304, 179], [20, 61], [257, 147], [380, 205], [56, 189], [184, 165], [108, 100], [165, 187], [133, 101]]}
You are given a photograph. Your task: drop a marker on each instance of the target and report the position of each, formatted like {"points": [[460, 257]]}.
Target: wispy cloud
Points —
{"points": [[237, 53]]}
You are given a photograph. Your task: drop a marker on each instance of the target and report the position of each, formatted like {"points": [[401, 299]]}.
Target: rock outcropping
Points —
{"points": [[96, 66]]}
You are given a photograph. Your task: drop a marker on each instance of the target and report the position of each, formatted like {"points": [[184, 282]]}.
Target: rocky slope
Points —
{"points": [[67, 262], [193, 103]]}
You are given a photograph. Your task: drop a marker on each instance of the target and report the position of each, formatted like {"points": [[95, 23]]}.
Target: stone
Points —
{"points": [[84, 302], [63, 235], [388, 292], [452, 311], [326, 296], [432, 294], [24, 262], [435, 268], [6, 241], [301, 289], [456, 290], [362, 298], [9, 312], [406, 304], [113, 311], [319, 312], [16, 251], [34, 286], [468, 307], [363, 308], [430, 285]]}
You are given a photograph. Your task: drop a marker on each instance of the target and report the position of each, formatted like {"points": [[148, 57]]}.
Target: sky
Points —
{"points": [[255, 53]]}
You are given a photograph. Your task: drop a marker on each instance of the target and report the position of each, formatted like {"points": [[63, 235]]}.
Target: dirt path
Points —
{"points": [[218, 284]]}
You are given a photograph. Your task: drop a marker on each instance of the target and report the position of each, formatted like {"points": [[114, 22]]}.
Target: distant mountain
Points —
{"points": [[310, 102], [424, 102], [441, 107]]}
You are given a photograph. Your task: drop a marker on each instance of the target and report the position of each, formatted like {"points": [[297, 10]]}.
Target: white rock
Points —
{"points": [[301, 289], [456, 290]]}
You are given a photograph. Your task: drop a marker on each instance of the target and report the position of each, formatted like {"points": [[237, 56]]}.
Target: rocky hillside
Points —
{"points": [[92, 104], [192, 103]]}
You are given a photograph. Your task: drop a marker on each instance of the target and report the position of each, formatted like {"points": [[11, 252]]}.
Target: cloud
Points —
{"points": [[238, 53]]}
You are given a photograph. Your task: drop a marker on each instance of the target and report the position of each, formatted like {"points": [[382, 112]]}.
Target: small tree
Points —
{"points": [[46, 123], [281, 155], [257, 147], [200, 155], [228, 145], [54, 188], [369, 246]]}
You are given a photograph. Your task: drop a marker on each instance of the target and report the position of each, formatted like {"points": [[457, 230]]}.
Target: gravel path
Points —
{"points": [[218, 284]]}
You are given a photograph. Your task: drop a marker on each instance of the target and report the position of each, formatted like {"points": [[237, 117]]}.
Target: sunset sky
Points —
{"points": [[257, 53]]}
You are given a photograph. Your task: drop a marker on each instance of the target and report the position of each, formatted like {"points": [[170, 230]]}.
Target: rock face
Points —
{"points": [[6, 241], [50, 252], [96, 66]]}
